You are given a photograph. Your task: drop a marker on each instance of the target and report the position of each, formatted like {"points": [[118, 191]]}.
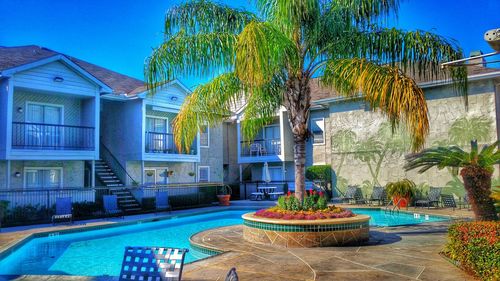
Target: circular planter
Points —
{"points": [[306, 233], [404, 203]]}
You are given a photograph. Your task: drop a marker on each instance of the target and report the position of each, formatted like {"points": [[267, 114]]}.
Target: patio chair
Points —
{"points": [[152, 263], [232, 275], [162, 202], [448, 201], [432, 198], [63, 210], [111, 205], [349, 194], [358, 197], [379, 195], [255, 148]]}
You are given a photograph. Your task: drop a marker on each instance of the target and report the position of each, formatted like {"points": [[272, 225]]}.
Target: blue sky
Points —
{"points": [[119, 34]]}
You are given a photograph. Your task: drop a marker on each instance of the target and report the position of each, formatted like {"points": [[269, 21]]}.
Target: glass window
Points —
{"points": [[318, 130], [157, 125], [203, 174], [204, 136], [43, 178]]}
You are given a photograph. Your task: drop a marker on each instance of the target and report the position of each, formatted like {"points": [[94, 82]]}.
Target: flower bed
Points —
{"points": [[476, 247], [330, 212]]}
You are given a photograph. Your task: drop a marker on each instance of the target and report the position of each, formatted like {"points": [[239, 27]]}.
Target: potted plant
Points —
{"points": [[224, 195], [476, 168], [401, 192], [191, 174]]}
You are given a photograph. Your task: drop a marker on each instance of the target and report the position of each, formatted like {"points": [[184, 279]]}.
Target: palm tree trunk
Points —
{"points": [[297, 101], [477, 183], [299, 158]]}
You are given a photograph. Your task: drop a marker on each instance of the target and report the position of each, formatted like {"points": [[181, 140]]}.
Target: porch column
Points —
{"points": [[7, 175], [142, 172], [92, 174]]}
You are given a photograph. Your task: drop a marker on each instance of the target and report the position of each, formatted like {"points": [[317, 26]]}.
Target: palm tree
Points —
{"points": [[343, 142], [465, 129], [476, 171], [268, 59]]}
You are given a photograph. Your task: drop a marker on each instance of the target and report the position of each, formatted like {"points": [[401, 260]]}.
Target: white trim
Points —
{"points": [[208, 173], [65, 60], [61, 170], [208, 137], [324, 134], [144, 94]]}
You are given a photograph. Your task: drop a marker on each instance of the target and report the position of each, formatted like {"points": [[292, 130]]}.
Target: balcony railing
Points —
{"points": [[164, 143], [262, 147], [52, 137]]}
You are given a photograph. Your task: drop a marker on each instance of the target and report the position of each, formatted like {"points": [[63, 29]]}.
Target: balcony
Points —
{"points": [[261, 147], [41, 136], [164, 143]]}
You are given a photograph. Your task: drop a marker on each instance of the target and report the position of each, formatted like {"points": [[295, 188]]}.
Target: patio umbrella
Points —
{"points": [[266, 175]]}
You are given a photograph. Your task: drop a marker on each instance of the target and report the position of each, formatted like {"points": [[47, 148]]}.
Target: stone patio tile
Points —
{"points": [[365, 275]]}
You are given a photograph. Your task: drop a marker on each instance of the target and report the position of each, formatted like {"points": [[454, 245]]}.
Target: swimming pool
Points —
{"points": [[100, 252]]}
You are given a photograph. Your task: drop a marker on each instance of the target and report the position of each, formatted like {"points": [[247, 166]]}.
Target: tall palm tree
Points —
{"points": [[269, 58], [465, 129], [476, 171]]}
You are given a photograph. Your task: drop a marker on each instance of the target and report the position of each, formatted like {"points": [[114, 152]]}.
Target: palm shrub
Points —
{"points": [[268, 59], [476, 171], [403, 188]]}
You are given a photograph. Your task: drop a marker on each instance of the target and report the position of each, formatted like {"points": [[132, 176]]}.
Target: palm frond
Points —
{"points": [[184, 54], [366, 11], [203, 16], [386, 88], [263, 52], [208, 104]]}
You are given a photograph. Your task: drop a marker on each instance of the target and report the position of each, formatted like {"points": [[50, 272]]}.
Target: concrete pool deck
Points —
{"points": [[395, 253]]}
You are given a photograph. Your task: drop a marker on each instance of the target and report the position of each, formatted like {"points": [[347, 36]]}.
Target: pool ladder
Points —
{"points": [[395, 207]]}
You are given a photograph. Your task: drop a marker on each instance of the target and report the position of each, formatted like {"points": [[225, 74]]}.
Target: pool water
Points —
{"points": [[100, 252]]}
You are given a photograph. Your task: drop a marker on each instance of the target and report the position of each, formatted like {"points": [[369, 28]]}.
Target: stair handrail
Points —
{"points": [[108, 156]]}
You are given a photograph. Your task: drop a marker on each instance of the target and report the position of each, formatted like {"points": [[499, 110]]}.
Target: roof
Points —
{"points": [[12, 57], [320, 92]]}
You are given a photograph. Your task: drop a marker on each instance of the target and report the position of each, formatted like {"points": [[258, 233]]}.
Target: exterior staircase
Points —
{"points": [[106, 175]]}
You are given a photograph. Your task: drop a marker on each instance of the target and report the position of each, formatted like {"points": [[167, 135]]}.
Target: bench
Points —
{"points": [[256, 195], [276, 194]]}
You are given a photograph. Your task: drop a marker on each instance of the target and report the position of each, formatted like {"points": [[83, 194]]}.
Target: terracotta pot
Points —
{"points": [[224, 199], [403, 203]]}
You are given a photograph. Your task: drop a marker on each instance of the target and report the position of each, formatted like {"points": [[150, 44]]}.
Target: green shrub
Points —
{"points": [[86, 209], [476, 246], [322, 203], [282, 203], [308, 203]]}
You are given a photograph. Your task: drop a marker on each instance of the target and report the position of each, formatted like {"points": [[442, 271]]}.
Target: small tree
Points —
{"points": [[321, 174], [477, 169]]}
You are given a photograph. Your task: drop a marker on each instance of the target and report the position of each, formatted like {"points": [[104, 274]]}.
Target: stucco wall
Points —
{"points": [[213, 155], [444, 109], [73, 172]]}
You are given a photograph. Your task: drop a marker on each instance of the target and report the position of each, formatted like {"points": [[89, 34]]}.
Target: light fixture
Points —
{"points": [[173, 98], [20, 109], [58, 79], [17, 174]]}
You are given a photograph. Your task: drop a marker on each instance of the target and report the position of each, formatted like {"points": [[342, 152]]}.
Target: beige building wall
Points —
{"points": [[444, 109], [212, 156]]}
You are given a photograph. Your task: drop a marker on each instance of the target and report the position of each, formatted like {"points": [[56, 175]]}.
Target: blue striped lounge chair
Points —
{"points": [[111, 205], [64, 210], [152, 264]]}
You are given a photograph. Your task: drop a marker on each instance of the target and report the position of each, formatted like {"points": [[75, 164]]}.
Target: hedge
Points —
{"points": [[476, 247]]}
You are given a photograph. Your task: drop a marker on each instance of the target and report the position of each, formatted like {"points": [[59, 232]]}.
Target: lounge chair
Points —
{"points": [[111, 205], [448, 201], [63, 210], [349, 194], [152, 263], [232, 275], [432, 198], [379, 195], [162, 202], [358, 197]]}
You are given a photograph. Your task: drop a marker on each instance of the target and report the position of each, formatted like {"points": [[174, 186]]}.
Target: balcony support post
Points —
{"points": [[92, 174], [8, 175]]}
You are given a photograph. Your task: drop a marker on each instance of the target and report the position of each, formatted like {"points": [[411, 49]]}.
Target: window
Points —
{"points": [[318, 130], [44, 131], [203, 174], [154, 176], [204, 136], [43, 177], [157, 136]]}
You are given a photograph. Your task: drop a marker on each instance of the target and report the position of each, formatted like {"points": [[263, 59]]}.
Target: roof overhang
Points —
{"points": [[171, 83], [63, 59]]}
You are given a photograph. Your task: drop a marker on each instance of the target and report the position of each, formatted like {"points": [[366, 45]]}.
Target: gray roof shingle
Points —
{"points": [[11, 57]]}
